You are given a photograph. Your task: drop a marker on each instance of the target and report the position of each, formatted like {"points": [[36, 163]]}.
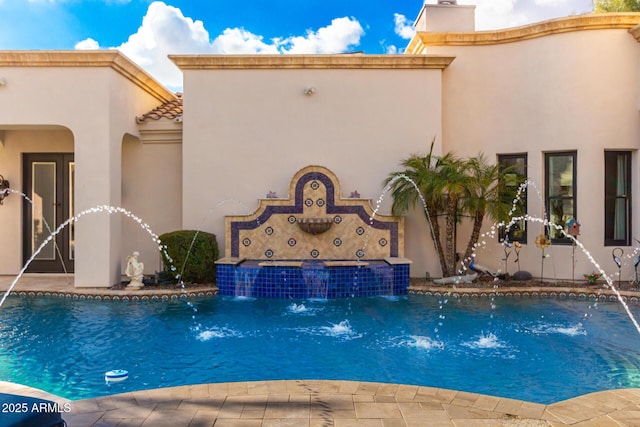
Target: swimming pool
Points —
{"points": [[541, 350]]}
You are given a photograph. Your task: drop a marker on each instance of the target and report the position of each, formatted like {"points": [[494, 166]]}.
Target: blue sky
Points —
{"points": [[146, 31]]}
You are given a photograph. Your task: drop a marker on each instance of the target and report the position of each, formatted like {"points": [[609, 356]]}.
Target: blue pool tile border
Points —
{"points": [[312, 280], [463, 294]]}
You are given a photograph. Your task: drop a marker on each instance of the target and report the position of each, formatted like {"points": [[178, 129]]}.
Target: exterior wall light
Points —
{"points": [[4, 188], [309, 91]]}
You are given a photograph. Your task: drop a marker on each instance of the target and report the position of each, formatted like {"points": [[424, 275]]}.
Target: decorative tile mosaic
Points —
{"points": [[336, 228]]}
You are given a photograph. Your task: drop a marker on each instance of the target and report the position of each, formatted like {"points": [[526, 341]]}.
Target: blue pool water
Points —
{"points": [[541, 350]]}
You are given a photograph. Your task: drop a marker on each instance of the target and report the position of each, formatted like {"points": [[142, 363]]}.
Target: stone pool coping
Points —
{"points": [[61, 285], [574, 292], [323, 403]]}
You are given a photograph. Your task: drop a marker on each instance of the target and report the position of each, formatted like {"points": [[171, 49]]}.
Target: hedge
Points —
{"points": [[201, 252]]}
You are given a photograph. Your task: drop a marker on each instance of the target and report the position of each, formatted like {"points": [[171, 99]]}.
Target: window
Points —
{"points": [[514, 167], [560, 193], [617, 198]]}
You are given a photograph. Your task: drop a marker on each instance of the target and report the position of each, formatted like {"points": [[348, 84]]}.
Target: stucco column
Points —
{"points": [[97, 183]]}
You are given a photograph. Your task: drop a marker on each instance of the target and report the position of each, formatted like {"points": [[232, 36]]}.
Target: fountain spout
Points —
{"points": [[314, 225]]}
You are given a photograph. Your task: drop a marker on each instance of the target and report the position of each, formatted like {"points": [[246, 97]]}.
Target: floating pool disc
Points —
{"points": [[116, 375]]}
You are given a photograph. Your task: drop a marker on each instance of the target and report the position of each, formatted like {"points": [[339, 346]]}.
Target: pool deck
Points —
{"points": [[315, 403]]}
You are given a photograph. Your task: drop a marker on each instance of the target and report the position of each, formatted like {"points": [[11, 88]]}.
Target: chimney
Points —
{"points": [[446, 16]]}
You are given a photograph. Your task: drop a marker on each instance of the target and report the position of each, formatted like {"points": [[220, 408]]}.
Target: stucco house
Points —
{"points": [[80, 129]]}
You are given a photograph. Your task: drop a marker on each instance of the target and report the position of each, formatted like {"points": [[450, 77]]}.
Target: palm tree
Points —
{"points": [[416, 184], [452, 182], [439, 183], [449, 187], [485, 197]]}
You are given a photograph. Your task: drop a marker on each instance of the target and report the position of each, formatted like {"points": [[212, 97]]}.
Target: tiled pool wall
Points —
{"points": [[312, 279]]}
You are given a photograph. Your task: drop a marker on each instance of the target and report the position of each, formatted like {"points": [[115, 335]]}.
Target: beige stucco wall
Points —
{"points": [[250, 130], [151, 190], [570, 91], [96, 95]]}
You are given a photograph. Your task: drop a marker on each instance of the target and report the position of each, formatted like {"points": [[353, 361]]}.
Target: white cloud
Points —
{"points": [[337, 37], [403, 27], [497, 14], [493, 14], [165, 30], [549, 2], [240, 41], [392, 50], [86, 44]]}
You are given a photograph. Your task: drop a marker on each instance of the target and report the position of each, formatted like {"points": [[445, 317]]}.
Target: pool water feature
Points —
{"points": [[312, 279], [313, 243], [540, 350]]}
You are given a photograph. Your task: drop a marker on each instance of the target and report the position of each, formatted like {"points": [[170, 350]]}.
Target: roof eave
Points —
{"points": [[222, 62], [88, 58], [605, 21]]}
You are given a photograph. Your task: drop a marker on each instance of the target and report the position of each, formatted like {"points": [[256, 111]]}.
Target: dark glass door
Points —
{"points": [[48, 182]]}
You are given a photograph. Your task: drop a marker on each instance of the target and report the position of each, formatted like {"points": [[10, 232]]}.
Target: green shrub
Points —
{"points": [[199, 267]]}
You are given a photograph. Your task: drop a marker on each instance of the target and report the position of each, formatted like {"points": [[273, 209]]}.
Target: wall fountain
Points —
{"points": [[313, 244]]}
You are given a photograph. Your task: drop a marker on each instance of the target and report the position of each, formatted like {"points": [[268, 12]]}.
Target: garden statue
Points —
{"points": [[616, 253], [542, 242], [134, 271], [574, 231], [506, 246], [520, 274]]}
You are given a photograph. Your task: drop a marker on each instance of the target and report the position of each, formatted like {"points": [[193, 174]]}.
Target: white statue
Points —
{"points": [[134, 271]]}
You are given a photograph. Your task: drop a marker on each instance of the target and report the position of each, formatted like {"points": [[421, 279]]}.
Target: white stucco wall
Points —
{"points": [[572, 91], [249, 131], [86, 93], [60, 96], [127, 101]]}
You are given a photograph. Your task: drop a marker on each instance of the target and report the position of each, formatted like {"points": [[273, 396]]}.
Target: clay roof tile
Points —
{"points": [[171, 110]]}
